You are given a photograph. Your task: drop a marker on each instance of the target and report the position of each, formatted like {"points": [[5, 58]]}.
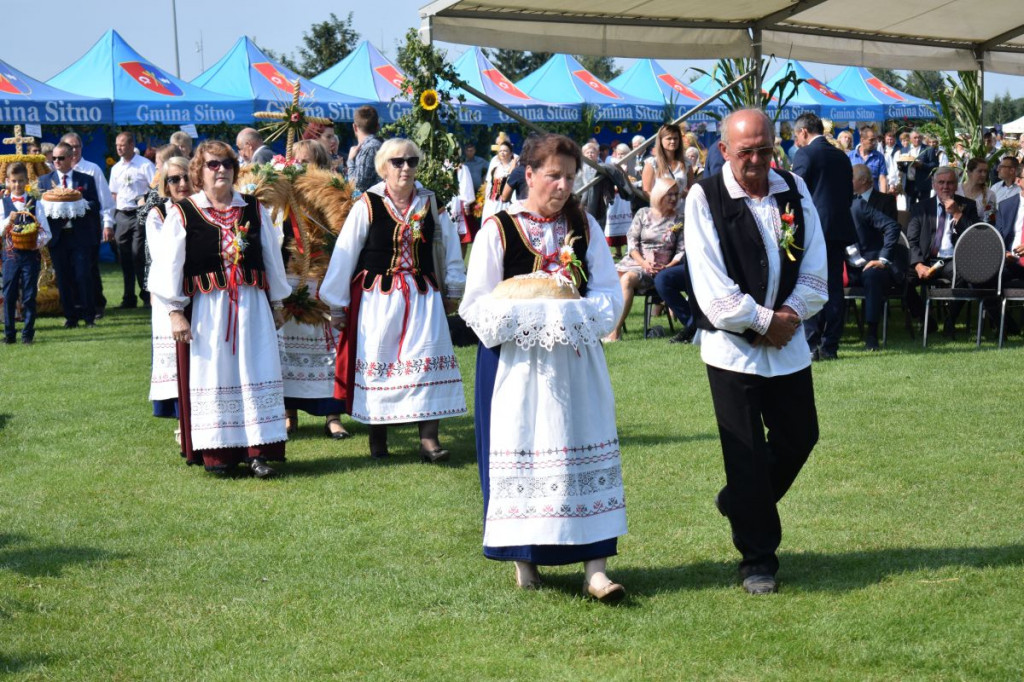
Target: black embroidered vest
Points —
{"points": [[381, 256], [204, 264], [743, 250], [522, 259]]}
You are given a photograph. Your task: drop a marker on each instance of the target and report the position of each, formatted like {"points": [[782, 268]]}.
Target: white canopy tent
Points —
{"points": [[963, 35], [1014, 127]]}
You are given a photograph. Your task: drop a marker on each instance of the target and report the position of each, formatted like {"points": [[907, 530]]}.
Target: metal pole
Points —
{"points": [[174, 16]]}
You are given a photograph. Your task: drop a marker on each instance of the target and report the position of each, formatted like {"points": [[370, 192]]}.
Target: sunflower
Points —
{"points": [[597, 129], [429, 100], [618, 129]]}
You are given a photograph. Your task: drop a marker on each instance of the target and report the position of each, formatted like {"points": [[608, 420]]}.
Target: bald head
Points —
{"points": [[748, 145], [862, 179], [746, 120]]}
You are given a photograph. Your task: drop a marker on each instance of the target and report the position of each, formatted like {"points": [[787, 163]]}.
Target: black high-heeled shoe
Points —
{"points": [[432, 455], [336, 435]]}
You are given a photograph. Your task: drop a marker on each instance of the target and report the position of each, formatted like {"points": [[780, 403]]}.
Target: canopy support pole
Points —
{"points": [[756, 43]]}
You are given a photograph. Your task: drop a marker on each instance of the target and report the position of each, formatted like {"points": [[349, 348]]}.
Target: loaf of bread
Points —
{"points": [[62, 194], [536, 285]]}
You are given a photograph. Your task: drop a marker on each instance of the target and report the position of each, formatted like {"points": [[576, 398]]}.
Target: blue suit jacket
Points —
{"points": [[85, 231], [877, 233], [829, 177], [714, 162], [1005, 215]]}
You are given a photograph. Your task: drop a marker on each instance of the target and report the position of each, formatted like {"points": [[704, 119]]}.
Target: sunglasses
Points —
{"points": [[175, 179], [59, 158], [745, 154], [411, 161], [216, 164]]}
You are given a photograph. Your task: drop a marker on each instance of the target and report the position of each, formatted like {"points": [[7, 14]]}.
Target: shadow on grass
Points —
{"points": [[44, 561], [817, 572], [16, 664], [4, 418]]}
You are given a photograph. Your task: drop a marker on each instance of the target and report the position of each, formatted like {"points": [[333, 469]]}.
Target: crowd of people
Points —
{"points": [[749, 257]]}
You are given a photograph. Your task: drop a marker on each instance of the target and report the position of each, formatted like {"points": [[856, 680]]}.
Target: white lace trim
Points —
{"points": [[64, 210], [543, 322]]}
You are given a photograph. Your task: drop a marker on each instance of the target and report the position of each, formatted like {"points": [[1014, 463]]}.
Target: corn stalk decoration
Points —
{"points": [[958, 108], [748, 93], [433, 121]]}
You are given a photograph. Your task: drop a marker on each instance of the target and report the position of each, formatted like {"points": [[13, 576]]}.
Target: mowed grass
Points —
{"points": [[902, 556]]}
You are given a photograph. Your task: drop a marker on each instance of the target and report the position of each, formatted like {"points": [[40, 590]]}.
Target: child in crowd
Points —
{"points": [[19, 251]]}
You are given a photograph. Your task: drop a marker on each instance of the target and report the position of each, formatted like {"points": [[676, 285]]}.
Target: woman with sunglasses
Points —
{"points": [[384, 285], [217, 261], [173, 185]]}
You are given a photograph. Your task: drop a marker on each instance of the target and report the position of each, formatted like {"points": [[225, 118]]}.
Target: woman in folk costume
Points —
{"points": [[384, 285], [547, 446], [173, 185], [498, 171], [308, 349], [218, 260], [460, 208]]}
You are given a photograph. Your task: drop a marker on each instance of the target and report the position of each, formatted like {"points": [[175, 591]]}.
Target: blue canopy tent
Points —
{"points": [[367, 74], [143, 93], [247, 72], [813, 95], [649, 80], [705, 83], [856, 81], [25, 100], [562, 79], [477, 71]]}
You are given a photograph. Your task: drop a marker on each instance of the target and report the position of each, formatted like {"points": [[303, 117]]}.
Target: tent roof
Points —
{"points": [[649, 79], [814, 95], [143, 93], [476, 70], [247, 72], [23, 99], [913, 34], [367, 74], [1014, 127], [563, 79], [858, 82]]}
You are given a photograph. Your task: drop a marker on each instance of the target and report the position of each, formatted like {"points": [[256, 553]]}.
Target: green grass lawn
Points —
{"points": [[902, 556]]}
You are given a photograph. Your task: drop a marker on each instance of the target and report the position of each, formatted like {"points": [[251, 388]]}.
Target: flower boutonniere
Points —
{"points": [[571, 266], [676, 227], [415, 225], [239, 240], [787, 232]]}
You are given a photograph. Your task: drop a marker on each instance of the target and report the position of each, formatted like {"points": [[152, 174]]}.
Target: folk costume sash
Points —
{"points": [[743, 249]]}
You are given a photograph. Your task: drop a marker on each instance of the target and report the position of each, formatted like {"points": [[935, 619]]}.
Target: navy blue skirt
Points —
{"points": [[166, 409], [544, 555], [318, 407]]}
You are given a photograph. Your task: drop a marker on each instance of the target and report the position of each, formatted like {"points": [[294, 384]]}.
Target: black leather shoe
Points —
{"points": [[260, 469], [10, 340], [434, 454], [827, 355], [871, 344], [760, 584], [68, 324], [29, 341]]}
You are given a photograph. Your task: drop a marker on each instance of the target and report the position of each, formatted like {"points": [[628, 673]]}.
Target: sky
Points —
{"points": [[216, 25]]}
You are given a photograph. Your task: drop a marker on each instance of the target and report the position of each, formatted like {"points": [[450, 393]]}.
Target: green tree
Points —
{"points": [[923, 84], [516, 64], [602, 67], [324, 45]]}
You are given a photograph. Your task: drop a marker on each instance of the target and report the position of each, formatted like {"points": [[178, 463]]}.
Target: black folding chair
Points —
{"points": [[1012, 293], [978, 259]]}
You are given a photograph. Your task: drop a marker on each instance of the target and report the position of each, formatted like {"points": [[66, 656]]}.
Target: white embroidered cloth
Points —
{"points": [[543, 322], [64, 210]]}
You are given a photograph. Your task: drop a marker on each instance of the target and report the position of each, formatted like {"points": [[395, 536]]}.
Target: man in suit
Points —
{"points": [[829, 177], [935, 225], [74, 240], [926, 160], [251, 149], [1009, 222], [877, 236]]}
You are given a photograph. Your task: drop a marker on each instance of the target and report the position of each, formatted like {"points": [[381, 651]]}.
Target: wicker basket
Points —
{"points": [[24, 241]]}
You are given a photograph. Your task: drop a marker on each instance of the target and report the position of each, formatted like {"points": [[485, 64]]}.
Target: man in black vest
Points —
{"points": [[757, 268], [829, 176]]}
